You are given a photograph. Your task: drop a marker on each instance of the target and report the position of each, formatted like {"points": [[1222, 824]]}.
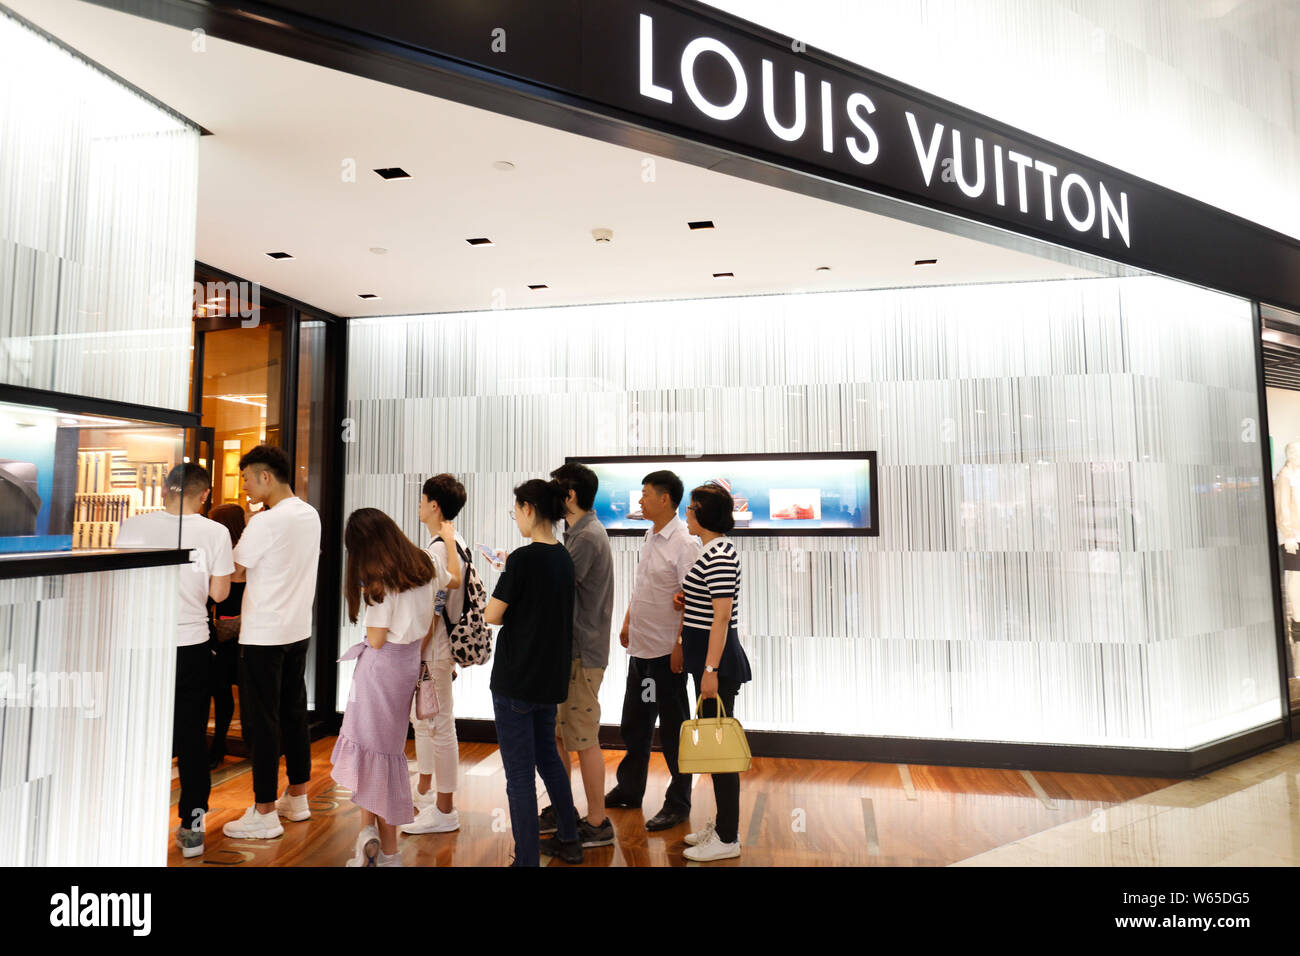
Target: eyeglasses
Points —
{"points": [[692, 507]]}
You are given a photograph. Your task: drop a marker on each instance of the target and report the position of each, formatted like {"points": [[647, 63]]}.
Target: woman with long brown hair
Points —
{"points": [[396, 582]]}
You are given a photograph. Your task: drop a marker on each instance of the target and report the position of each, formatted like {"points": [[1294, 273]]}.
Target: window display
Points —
{"points": [[773, 494], [1281, 346], [69, 479]]}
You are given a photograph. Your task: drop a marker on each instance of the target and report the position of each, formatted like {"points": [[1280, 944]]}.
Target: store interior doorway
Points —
{"points": [[236, 385], [261, 374]]}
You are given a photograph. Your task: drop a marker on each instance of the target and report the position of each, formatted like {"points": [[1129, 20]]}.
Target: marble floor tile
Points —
{"points": [[1244, 815]]}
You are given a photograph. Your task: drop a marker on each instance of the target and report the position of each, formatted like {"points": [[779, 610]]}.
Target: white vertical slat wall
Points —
{"points": [[1073, 531], [98, 197]]}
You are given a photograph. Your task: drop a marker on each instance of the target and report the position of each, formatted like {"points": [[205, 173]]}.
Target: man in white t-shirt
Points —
{"points": [[436, 749], [179, 525], [277, 555]]}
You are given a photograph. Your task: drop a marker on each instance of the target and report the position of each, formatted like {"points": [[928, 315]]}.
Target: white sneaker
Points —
{"points": [[294, 809], [432, 820], [715, 849], [706, 835], [422, 800], [254, 826], [385, 860], [367, 850]]}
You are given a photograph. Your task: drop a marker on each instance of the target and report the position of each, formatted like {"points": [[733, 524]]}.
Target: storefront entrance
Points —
{"points": [[263, 373], [1070, 566]]}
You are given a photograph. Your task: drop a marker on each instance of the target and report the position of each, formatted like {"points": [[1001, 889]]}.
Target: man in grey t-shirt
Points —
{"points": [[577, 720]]}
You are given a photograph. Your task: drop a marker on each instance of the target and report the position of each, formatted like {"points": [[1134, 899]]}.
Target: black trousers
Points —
{"points": [[190, 733], [667, 703], [225, 674], [726, 786], [273, 711]]}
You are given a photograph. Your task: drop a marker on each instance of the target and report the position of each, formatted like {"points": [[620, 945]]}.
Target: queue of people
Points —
{"points": [[421, 610]]}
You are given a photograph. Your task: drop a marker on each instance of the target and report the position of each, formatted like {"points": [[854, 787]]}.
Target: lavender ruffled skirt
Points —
{"points": [[370, 754]]}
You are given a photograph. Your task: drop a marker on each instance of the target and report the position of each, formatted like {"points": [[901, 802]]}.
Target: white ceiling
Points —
{"points": [[271, 180]]}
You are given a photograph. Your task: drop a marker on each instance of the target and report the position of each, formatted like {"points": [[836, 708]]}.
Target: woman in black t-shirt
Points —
{"points": [[533, 603]]}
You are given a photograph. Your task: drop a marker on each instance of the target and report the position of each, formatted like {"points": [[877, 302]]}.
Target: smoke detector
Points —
{"points": [[602, 236]]}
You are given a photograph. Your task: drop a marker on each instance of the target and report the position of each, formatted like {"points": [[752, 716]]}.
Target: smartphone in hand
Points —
{"points": [[497, 558]]}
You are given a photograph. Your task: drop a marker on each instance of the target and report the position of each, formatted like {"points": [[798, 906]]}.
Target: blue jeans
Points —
{"points": [[526, 736]]}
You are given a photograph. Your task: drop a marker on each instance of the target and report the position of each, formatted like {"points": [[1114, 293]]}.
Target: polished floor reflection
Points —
{"points": [[793, 812], [1247, 814]]}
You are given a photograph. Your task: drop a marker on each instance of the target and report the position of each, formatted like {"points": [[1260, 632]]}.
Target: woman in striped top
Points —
{"points": [[711, 651]]}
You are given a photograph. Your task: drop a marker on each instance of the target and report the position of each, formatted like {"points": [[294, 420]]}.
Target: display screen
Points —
{"points": [[773, 494], [68, 480]]}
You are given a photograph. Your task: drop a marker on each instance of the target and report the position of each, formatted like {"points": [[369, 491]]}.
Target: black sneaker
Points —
{"points": [[568, 852], [589, 835], [616, 801], [548, 821]]}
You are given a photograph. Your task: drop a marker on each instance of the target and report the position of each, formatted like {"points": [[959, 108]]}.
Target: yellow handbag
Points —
{"points": [[712, 744]]}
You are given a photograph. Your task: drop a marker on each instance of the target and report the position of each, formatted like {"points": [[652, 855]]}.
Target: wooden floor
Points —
{"points": [[792, 813]]}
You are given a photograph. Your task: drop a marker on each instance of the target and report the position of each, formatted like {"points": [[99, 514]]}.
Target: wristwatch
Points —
{"points": [[710, 670]]}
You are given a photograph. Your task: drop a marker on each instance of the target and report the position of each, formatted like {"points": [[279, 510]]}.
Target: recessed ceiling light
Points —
{"points": [[925, 262], [724, 275], [393, 172], [537, 287], [480, 242], [504, 165], [366, 295], [279, 255], [378, 250], [701, 224]]}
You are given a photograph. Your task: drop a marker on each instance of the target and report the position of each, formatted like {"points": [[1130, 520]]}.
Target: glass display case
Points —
{"points": [[69, 477]]}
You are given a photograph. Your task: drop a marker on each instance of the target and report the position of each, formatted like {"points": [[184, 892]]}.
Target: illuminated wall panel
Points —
{"points": [[98, 198], [89, 661], [97, 213], [1072, 542]]}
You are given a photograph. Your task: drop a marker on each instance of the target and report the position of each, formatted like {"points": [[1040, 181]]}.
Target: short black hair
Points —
{"points": [[188, 479], [581, 479], [447, 492], [271, 458], [714, 507], [667, 483]]}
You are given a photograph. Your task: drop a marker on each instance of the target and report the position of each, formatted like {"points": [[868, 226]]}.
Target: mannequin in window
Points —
{"points": [[1286, 501]]}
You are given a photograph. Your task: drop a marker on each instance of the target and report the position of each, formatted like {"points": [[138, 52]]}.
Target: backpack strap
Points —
{"points": [[464, 585]]}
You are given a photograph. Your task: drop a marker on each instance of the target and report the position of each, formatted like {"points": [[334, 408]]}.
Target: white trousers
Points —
{"points": [[436, 749]]}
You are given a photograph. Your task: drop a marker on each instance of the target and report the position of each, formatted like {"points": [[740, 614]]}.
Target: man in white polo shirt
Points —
{"points": [[179, 525], [656, 680], [277, 555]]}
